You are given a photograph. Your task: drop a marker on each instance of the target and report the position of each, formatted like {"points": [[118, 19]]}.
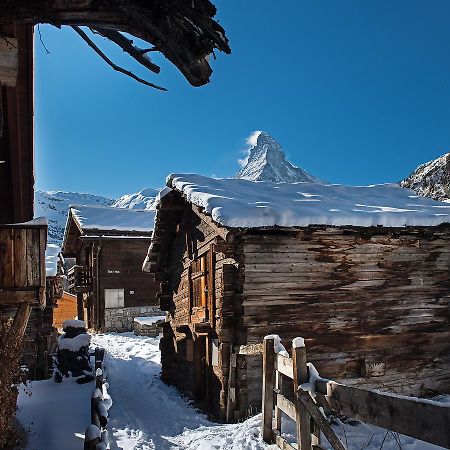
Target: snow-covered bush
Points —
{"points": [[72, 357]]}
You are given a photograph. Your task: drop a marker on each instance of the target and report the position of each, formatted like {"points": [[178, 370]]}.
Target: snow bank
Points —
{"points": [[74, 323], [52, 252], [149, 320], [74, 344], [109, 218], [242, 203]]}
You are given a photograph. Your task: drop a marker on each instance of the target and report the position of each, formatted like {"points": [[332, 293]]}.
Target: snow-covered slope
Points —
{"points": [[267, 162], [55, 206], [140, 200], [431, 179]]}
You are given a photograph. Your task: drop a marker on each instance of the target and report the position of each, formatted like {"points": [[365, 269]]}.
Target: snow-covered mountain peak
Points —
{"points": [[267, 162], [139, 200], [431, 179]]}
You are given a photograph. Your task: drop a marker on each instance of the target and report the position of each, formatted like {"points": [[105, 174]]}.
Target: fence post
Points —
{"points": [[268, 385], [278, 390], [303, 419]]}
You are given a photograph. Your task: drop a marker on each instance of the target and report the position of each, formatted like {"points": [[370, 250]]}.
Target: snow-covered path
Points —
{"points": [[146, 414]]}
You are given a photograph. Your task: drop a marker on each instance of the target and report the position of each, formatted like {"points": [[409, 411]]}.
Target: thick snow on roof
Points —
{"points": [[250, 204], [51, 259], [108, 218]]}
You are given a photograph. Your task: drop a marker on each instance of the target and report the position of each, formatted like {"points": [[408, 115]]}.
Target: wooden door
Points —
{"points": [[201, 377]]}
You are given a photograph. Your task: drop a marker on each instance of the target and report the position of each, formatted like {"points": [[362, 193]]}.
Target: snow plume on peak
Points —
{"points": [[431, 179], [144, 199], [266, 161]]}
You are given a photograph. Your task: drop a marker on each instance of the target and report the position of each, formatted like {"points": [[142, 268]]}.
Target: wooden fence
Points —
{"points": [[418, 418], [99, 416]]}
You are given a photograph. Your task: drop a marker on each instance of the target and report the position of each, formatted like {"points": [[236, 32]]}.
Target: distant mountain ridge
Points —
{"points": [[267, 162], [144, 199], [431, 179], [55, 204]]}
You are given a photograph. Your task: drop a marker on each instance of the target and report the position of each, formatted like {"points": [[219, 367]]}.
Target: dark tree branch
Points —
{"points": [[127, 46], [91, 44]]}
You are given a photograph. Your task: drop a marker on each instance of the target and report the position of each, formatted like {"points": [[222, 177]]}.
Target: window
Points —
{"points": [[199, 283], [114, 298]]}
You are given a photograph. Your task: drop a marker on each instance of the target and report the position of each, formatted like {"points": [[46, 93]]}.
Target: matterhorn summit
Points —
{"points": [[267, 162], [431, 179]]}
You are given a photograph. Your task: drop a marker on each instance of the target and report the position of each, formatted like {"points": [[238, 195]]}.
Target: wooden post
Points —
{"points": [[278, 390], [302, 422], [19, 324], [231, 397], [268, 385]]}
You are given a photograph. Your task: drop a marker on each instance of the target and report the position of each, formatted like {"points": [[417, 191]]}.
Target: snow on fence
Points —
{"points": [[95, 435], [419, 418]]}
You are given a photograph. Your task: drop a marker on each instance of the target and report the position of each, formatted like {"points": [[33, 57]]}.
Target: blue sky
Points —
{"points": [[356, 92]]}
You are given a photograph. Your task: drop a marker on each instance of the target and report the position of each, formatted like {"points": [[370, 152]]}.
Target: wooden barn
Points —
{"points": [[109, 245], [361, 272]]}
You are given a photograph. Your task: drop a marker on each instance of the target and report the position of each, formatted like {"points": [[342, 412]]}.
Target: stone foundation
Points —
{"points": [[121, 319], [145, 329]]}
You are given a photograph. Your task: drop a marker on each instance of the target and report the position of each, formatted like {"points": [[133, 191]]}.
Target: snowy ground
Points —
{"points": [[55, 416], [146, 414]]}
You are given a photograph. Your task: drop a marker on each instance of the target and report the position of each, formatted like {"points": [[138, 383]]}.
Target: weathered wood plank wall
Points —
{"points": [[369, 302]]}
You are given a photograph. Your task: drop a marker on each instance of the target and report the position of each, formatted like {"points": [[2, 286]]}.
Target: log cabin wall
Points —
{"points": [[116, 264], [195, 348], [373, 304]]}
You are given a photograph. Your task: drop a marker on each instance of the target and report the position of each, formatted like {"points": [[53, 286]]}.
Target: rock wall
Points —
{"points": [[121, 319]]}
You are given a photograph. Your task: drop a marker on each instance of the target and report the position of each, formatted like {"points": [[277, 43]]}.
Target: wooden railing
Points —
{"points": [[79, 279], [418, 418]]}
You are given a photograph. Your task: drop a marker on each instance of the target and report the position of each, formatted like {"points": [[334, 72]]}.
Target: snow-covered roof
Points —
{"points": [[51, 260], [238, 203], [113, 219]]}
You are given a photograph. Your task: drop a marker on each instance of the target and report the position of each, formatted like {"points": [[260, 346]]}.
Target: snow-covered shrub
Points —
{"points": [[72, 357]]}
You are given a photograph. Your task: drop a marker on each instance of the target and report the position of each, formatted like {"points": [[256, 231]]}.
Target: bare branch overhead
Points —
{"points": [[184, 31]]}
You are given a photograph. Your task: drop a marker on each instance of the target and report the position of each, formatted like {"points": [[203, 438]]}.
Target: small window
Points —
{"points": [[114, 298]]}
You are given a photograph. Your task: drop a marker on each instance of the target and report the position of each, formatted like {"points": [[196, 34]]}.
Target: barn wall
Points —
{"points": [[367, 301], [178, 345]]}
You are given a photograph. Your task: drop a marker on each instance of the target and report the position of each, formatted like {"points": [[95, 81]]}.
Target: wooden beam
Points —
{"points": [[316, 414], [19, 325], [268, 385], [9, 48], [419, 418]]}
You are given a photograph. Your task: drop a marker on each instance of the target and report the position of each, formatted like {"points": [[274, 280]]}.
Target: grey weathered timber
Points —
{"points": [[421, 419], [308, 403], [268, 386], [302, 417]]}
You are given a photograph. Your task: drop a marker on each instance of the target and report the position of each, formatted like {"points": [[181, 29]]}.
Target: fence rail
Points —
{"points": [[418, 418]]}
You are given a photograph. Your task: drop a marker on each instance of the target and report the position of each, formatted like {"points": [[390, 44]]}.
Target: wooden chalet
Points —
{"points": [[109, 245], [361, 272], [41, 334]]}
